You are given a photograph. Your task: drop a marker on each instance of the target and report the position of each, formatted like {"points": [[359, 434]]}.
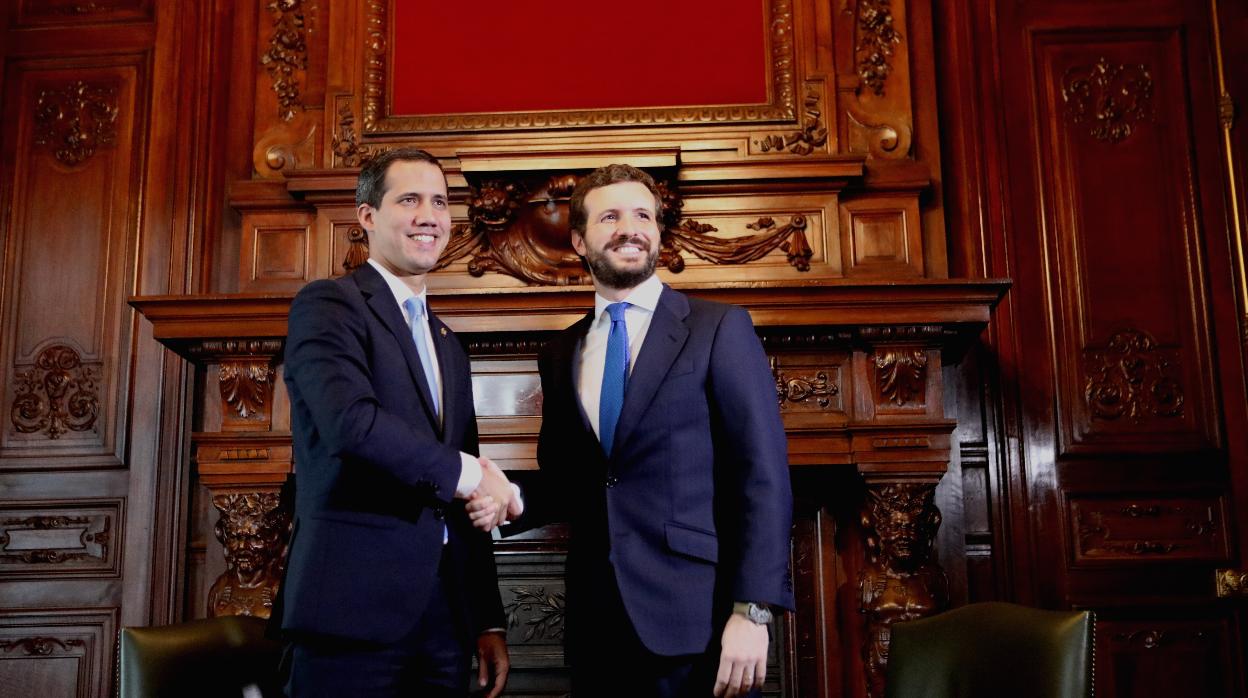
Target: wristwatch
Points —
{"points": [[756, 613]]}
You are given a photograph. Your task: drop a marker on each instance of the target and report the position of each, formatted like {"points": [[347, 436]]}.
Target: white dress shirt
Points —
{"points": [[642, 300], [470, 475]]}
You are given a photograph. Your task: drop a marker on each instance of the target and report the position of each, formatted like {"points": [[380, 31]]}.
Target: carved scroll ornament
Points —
{"points": [[901, 581], [76, 119], [58, 394], [799, 389], [1131, 376], [1111, 99], [254, 530], [42, 646]]}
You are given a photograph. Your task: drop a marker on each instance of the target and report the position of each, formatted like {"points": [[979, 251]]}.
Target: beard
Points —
{"points": [[611, 276]]}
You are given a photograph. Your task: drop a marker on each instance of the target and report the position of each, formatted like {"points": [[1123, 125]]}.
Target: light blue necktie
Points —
{"points": [[416, 311], [614, 377]]}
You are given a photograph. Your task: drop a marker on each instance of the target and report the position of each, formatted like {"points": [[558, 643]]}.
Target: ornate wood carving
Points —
{"points": [[247, 386], [287, 53], [42, 646], [691, 236], [357, 249], [900, 375], [901, 581], [783, 82], [798, 389], [1122, 530], [59, 393], [348, 152], [1131, 376], [1111, 99], [540, 612], [76, 119], [88, 544], [254, 529], [876, 37], [813, 133]]}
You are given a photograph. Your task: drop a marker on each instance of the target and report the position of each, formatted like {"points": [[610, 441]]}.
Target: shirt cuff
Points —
{"points": [[469, 476]]}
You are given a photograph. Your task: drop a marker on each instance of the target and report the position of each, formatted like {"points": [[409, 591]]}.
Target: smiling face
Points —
{"points": [[410, 228], [620, 242]]}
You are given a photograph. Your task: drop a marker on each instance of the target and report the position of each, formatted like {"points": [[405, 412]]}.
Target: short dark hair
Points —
{"points": [[605, 176], [371, 187]]}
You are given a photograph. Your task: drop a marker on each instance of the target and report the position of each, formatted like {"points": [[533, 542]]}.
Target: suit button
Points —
{"points": [[612, 480], [439, 514]]}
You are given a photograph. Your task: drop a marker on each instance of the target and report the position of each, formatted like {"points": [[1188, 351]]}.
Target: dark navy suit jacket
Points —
{"points": [[693, 509], [376, 472]]}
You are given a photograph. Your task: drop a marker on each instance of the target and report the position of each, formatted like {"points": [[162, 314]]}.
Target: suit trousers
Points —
{"points": [[609, 660], [432, 660]]}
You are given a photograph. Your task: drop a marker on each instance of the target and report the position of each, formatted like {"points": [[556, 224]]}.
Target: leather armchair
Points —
{"points": [[212, 657], [992, 649]]}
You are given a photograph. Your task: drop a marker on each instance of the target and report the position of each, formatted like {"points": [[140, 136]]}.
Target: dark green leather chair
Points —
{"points": [[212, 657], [992, 650]]}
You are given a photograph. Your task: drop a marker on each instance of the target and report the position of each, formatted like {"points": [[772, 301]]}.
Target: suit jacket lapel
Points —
{"points": [[383, 304], [664, 340], [449, 363], [571, 356]]}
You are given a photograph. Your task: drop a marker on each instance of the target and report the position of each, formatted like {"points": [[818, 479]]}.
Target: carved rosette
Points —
{"points": [[798, 389], [1110, 99], [59, 393], [76, 119], [900, 581], [812, 135], [900, 375], [246, 386], [877, 35], [541, 613], [287, 53], [1131, 376], [254, 530]]}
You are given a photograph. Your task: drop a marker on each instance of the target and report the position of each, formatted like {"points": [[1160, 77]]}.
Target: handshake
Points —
{"points": [[495, 501]]}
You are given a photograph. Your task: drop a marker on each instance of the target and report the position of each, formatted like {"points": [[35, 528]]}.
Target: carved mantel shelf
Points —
{"points": [[960, 306]]}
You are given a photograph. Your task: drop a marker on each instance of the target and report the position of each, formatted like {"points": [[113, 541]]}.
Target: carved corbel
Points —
{"points": [[245, 378], [254, 530], [900, 581]]}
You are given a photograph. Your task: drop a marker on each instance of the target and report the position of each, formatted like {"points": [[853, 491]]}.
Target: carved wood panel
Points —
{"points": [[1164, 657], [61, 539], [60, 652], [1132, 341], [1146, 529], [881, 236], [72, 211]]}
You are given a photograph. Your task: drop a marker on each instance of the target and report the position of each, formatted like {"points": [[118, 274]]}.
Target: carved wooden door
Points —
{"points": [[90, 486], [1103, 169]]}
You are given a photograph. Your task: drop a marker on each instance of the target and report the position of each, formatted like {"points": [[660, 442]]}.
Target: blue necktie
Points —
{"points": [[416, 311], [614, 377]]}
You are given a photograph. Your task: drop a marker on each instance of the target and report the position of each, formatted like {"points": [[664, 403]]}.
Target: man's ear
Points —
{"points": [[578, 243], [364, 214]]}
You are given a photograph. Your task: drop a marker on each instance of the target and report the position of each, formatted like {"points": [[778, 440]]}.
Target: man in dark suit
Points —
{"points": [[389, 588], [662, 443]]}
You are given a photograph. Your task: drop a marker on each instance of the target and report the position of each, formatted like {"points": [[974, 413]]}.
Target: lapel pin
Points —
{"points": [[443, 331]]}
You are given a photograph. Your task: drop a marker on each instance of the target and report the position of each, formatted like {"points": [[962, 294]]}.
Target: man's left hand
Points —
{"points": [[743, 660], [493, 661]]}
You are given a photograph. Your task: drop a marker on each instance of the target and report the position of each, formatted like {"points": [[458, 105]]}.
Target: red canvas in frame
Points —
{"points": [[476, 56]]}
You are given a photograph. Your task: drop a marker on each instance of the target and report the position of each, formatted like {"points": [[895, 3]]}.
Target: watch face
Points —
{"points": [[759, 614]]}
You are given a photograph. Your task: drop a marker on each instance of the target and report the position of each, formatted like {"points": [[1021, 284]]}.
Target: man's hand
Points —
{"points": [[493, 662], [743, 660], [494, 495]]}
